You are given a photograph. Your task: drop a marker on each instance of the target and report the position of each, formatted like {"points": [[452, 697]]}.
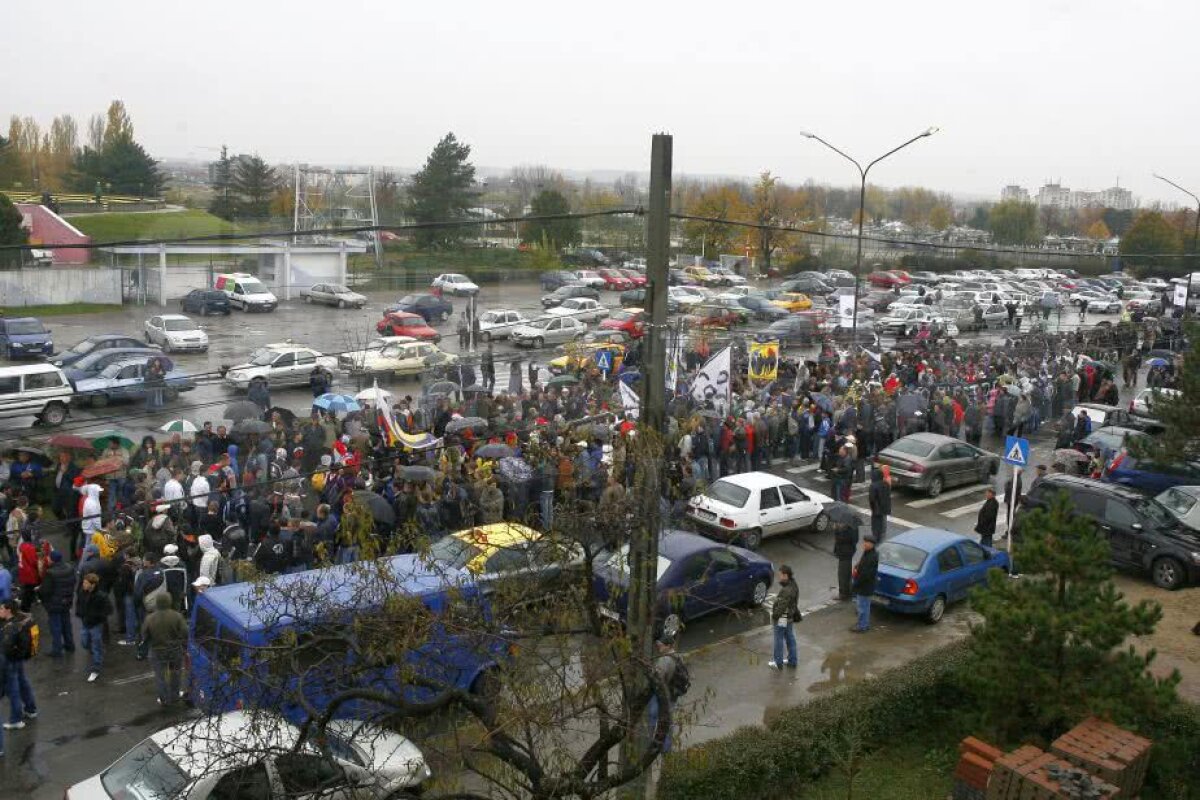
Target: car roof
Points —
{"points": [[19, 319], [222, 742], [675, 544], [755, 480], [931, 438], [498, 535], [928, 539], [405, 315], [1063, 481], [26, 369], [386, 340], [1193, 491], [174, 316]]}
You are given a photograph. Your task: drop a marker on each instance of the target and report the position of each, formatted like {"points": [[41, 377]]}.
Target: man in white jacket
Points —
{"points": [[198, 489], [91, 511], [209, 558]]}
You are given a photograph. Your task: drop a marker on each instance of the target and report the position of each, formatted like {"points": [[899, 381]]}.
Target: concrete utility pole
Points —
{"points": [[643, 545], [1191, 262]]}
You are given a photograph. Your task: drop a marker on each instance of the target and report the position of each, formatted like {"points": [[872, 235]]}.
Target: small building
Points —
{"points": [[46, 227]]}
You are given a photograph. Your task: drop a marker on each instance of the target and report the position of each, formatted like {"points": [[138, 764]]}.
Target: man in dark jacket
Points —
{"points": [[845, 545], [16, 647], [166, 633], [92, 606], [985, 525], [880, 496], [785, 612], [865, 575], [318, 382], [57, 592]]}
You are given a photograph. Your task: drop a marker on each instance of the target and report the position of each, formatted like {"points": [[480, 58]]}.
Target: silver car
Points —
{"points": [[499, 324], [930, 462], [333, 294], [549, 330]]}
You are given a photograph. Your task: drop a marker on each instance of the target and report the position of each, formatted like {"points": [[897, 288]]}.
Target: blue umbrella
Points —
{"points": [[337, 403], [1156, 362]]}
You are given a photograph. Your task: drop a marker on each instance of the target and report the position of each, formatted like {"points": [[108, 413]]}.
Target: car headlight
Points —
{"points": [[1196, 558]]}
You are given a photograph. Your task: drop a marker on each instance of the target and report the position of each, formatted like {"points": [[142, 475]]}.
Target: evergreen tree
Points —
{"points": [[11, 232], [224, 200], [556, 234], [1047, 653], [119, 165], [255, 184], [1180, 415], [130, 170], [10, 163], [442, 191]]}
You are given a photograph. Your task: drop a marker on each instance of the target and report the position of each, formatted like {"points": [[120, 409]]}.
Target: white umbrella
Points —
{"points": [[179, 426], [380, 398]]}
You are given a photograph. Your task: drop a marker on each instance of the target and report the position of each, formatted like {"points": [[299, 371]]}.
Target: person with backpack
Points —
{"points": [[785, 613], [19, 640], [92, 606], [175, 575], [670, 669], [57, 593]]}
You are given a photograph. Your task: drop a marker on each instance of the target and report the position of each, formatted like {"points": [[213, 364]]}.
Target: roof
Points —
{"points": [[754, 480], [1060, 479], [175, 316], [927, 539], [27, 369], [931, 438], [19, 319], [676, 544], [497, 535], [225, 741]]}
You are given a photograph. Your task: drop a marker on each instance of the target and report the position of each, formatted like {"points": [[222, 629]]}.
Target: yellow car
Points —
{"points": [[506, 549], [793, 301], [699, 273], [581, 354]]}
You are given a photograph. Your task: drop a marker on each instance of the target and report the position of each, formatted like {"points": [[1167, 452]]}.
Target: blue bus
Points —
{"points": [[250, 645]]}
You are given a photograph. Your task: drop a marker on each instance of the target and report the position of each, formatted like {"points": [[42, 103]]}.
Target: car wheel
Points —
{"points": [[341, 303], [672, 624], [54, 414], [821, 523], [758, 595], [539, 342], [308, 299], [1167, 573], [99, 400], [937, 610], [442, 317], [936, 484], [751, 539]]}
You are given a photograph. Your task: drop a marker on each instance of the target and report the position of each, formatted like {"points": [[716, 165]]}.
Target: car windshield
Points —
{"points": [[454, 552], [337, 288], [144, 773], [1154, 511], [180, 325], [83, 348], [25, 326], [911, 447], [252, 287], [619, 561], [1180, 503], [902, 556], [728, 493], [263, 357]]}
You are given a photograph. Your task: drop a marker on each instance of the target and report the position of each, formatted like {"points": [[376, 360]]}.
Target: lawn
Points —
{"points": [[56, 311], [912, 770], [152, 225]]}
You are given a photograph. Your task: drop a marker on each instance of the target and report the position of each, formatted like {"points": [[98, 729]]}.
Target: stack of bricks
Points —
{"points": [[1028, 773], [1113, 754], [974, 769]]}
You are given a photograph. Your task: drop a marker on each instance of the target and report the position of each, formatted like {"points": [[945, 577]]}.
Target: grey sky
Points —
{"points": [[1023, 91]]}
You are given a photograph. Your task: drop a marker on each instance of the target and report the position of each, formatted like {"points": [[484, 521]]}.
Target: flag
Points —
{"points": [[712, 381], [764, 361], [630, 400]]}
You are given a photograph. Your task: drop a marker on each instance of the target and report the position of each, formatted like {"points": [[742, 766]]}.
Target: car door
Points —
{"points": [[695, 593], [976, 562], [770, 511], [127, 382], [1123, 538], [952, 574], [283, 369], [300, 776], [508, 563], [798, 510], [943, 462], [305, 361]]}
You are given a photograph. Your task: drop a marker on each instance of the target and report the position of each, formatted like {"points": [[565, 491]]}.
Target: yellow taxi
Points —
{"points": [[583, 354], [506, 549], [702, 274], [793, 301]]}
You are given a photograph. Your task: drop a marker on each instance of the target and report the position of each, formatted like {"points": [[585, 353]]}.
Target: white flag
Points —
{"points": [[712, 382], [630, 400]]}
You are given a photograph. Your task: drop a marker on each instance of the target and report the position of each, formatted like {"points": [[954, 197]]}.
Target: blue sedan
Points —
{"points": [[923, 570], [1151, 478], [696, 576]]}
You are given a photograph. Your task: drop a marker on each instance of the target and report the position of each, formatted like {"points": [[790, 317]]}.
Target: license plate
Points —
{"points": [[703, 514], [605, 611]]}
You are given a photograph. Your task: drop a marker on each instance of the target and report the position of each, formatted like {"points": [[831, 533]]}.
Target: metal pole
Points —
{"points": [[862, 215], [1012, 513], [1195, 237]]}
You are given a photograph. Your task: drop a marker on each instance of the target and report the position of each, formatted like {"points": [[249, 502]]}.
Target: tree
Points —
{"points": [[556, 234], [980, 219], [713, 238], [443, 192], [11, 232], [119, 165], [766, 210], [1149, 236], [10, 163], [255, 184], [1118, 221], [1180, 414], [1052, 647], [224, 199], [387, 196], [58, 151], [1015, 223], [1098, 230], [118, 127], [941, 217]]}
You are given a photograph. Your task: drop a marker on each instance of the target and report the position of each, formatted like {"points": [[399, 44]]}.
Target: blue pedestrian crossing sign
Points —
{"points": [[1016, 451], [604, 360]]}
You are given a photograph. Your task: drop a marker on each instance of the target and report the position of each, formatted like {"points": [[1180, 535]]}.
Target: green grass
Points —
{"points": [[153, 225], [57, 311], [899, 771]]}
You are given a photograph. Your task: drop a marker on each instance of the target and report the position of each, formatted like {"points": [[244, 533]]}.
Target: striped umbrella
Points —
{"points": [[337, 403], [179, 426]]}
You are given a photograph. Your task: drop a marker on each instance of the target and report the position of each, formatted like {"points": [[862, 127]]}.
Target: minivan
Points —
{"points": [[24, 337], [35, 390], [246, 292]]}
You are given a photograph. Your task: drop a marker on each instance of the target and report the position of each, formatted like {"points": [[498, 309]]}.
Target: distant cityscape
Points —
{"points": [[1055, 195]]}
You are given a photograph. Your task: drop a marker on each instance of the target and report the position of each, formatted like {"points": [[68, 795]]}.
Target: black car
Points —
{"points": [[879, 301], [1143, 535], [552, 280], [430, 307], [95, 344], [809, 285], [636, 298], [205, 302], [762, 308], [566, 292], [794, 329]]}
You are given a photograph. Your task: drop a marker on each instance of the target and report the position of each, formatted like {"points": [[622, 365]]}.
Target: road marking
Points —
{"points": [[957, 493], [803, 469], [962, 512], [903, 523], [145, 676]]}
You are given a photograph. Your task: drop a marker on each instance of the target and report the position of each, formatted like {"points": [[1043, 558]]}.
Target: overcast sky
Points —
{"points": [[1023, 91]]}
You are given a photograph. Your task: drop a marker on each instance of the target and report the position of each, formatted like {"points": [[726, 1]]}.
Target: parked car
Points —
{"points": [[793, 301], [630, 320], [548, 330], [592, 278], [696, 576], [245, 291], [532, 565], [1099, 301], [205, 302], [1142, 404], [885, 280], [582, 308], [1143, 535], [24, 337], [635, 278], [404, 356], [1103, 415], [1149, 477], [677, 277], [925, 277], [1184, 503], [92, 345], [333, 294], [280, 364], [430, 307], [564, 293], [923, 570], [174, 332], [908, 321], [582, 354], [794, 329], [499, 323], [762, 308], [727, 276], [712, 315], [614, 281], [93, 363], [929, 462], [750, 506], [126, 380], [401, 323], [686, 296], [40, 391], [1107, 441], [455, 284], [637, 298], [552, 280], [809, 285]]}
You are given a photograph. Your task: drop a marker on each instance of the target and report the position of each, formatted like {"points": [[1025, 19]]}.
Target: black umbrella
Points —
{"points": [[442, 387], [418, 474], [246, 426], [495, 450], [242, 409], [379, 507], [912, 403], [842, 515], [33, 452], [463, 423], [288, 417], [475, 389]]}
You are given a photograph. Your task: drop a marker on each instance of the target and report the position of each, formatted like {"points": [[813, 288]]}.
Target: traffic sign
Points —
{"points": [[1016, 451], [604, 360]]}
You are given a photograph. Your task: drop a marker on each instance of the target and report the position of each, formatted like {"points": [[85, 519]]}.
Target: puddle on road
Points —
{"points": [[844, 665]]}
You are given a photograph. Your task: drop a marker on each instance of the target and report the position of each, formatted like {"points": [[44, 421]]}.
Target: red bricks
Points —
{"points": [[1111, 753]]}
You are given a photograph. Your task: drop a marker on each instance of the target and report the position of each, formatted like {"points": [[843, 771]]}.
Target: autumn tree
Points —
{"points": [[766, 210], [1014, 223], [443, 191], [58, 151], [120, 165], [387, 196], [555, 234], [1149, 237], [10, 163], [1098, 230], [722, 202]]}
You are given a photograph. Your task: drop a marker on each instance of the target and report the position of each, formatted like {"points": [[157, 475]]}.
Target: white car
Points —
{"points": [[1097, 301], [1142, 405], [907, 322], [280, 364], [549, 330], [581, 308], [333, 294], [590, 278], [1184, 503], [402, 356], [1155, 283], [242, 754], [751, 506], [500, 324], [735, 292], [455, 284], [175, 332], [686, 296]]}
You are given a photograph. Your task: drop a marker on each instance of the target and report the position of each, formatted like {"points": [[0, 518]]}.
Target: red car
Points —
{"points": [[886, 280], [615, 281], [636, 278], [708, 315], [402, 323], [902, 276], [630, 320]]}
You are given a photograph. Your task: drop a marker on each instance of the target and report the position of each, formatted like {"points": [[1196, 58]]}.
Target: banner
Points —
{"points": [[846, 310], [764, 361], [1181, 294], [674, 355], [712, 382], [630, 400]]}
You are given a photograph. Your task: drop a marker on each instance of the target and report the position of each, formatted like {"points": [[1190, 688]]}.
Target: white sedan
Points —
{"points": [[500, 324], [175, 332], [750, 506], [1097, 301], [455, 284], [279, 364], [333, 294], [581, 308]]}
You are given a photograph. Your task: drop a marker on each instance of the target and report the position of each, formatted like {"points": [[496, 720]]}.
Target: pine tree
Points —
{"points": [[1048, 652], [255, 184], [1180, 415], [442, 191], [224, 201], [556, 234]]}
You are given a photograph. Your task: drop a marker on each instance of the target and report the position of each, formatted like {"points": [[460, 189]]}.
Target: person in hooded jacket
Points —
{"points": [[175, 573], [160, 532], [210, 559], [165, 633], [90, 511], [57, 593]]}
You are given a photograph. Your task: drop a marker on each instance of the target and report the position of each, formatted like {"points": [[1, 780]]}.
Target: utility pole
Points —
{"points": [[643, 545]]}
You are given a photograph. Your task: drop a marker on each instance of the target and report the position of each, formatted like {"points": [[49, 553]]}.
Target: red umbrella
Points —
{"points": [[103, 466], [69, 441]]}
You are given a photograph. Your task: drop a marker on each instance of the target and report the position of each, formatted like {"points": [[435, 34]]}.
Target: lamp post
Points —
{"points": [[862, 210], [1195, 238]]}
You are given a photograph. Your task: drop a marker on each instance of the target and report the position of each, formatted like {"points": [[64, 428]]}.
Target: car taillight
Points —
{"points": [[1130, 406], [726, 522], [910, 587], [917, 467]]}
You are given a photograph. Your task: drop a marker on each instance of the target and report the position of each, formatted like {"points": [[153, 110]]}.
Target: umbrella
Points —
{"points": [[843, 515], [179, 426], [69, 441], [101, 440], [1066, 455], [475, 389], [380, 398], [103, 466], [823, 401], [495, 450], [709, 413], [515, 469], [337, 403], [379, 507], [246, 426], [912, 403], [1157, 362], [288, 417], [562, 380], [242, 409], [418, 473], [33, 451], [463, 423], [442, 387]]}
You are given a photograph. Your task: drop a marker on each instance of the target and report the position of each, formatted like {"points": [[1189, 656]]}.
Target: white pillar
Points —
{"points": [[162, 274], [287, 271], [342, 263]]}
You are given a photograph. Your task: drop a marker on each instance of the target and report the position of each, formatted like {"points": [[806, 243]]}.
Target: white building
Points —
{"points": [[1054, 195], [1014, 192]]}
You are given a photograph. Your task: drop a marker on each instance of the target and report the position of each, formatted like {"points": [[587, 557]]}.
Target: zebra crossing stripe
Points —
{"points": [[944, 496], [971, 508]]}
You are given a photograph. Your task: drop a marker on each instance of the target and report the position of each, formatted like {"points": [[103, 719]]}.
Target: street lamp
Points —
{"points": [[862, 206], [1195, 237]]}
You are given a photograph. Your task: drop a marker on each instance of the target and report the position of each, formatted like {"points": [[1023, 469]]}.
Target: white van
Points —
{"points": [[35, 390], [245, 291]]}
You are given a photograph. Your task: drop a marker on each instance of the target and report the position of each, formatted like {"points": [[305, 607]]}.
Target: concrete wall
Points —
{"points": [[51, 286]]}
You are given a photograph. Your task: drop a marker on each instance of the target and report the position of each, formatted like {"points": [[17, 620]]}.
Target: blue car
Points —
{"points": [[696, 576], [1151, 478], [93, 345], [923, 570], [24, 337]]}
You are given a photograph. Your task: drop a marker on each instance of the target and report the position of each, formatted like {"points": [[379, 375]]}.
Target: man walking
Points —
{"points": [[489, 368], [880, 495], [57, 593], [865, 575], [985, 525], [785, 613], [845, 545], [16, 642], [166, 633], [92, 606]]}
